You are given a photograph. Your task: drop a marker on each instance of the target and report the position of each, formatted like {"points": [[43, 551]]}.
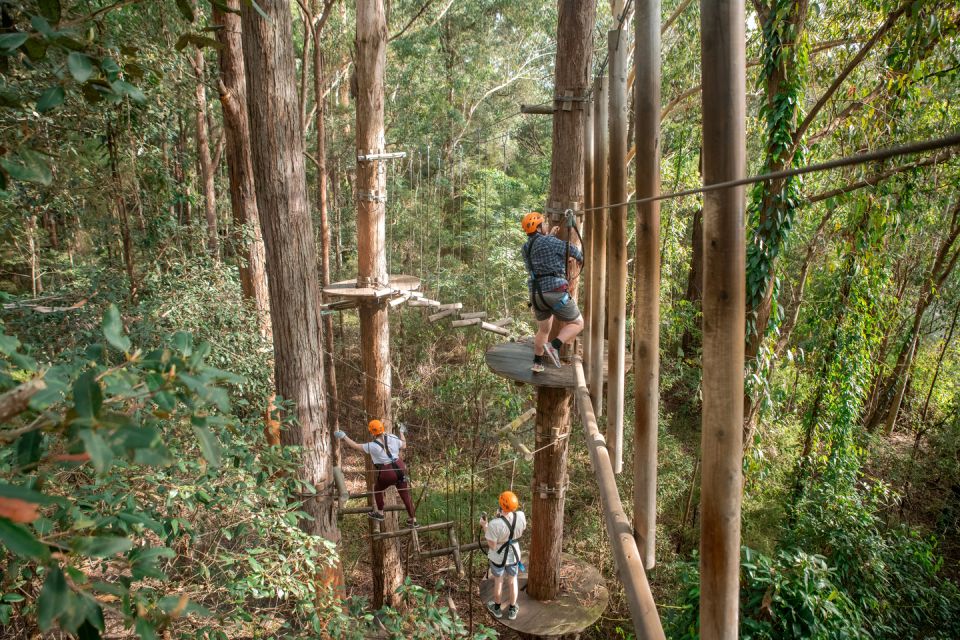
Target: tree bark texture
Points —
{"points": [[372, 261], [724, 158], [243, 195], [574, 59], [203, 153], [617, 243], [281, 187], [646, 327], [587, 237]]}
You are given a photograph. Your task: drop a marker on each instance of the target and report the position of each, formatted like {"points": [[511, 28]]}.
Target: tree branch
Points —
{"points": [[880, 177], [415, 17]]}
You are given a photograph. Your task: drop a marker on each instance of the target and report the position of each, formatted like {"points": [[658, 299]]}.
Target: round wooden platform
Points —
{"points": [[512, 360], [582, 600], [348, 288]]}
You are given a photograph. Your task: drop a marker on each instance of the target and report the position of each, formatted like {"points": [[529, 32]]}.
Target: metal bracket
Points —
{"points": [[569, 100], [558, 214], [545, 491], [371, 156], [372, 196]]}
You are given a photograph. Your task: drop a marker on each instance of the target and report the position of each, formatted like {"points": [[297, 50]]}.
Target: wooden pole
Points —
{"points": [[617, 240], [724, 158], [574, 53], [598, 245], [587, 226], [646, 326], [629, 563], [372, 263]]}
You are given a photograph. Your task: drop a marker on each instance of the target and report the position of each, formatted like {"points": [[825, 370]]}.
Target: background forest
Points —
{"points": [[142, 491]]}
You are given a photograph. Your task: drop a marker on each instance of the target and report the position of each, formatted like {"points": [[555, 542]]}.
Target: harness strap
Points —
{"points": [[543, 305], [393, 461], [508, 545]]}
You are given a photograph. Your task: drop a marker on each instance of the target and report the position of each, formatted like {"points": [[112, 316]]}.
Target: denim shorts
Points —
{"points": [[511, 570]]}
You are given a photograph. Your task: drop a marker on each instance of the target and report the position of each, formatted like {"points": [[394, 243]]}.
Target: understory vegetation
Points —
{"points": [[143, 489]]}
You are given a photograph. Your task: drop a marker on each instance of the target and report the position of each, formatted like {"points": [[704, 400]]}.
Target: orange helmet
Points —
{"points": [[508, 501], [531, 221], [375, 427]]}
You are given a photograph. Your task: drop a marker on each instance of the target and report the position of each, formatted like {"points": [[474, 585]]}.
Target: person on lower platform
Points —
{"points": [[546, 258], [384, 449], [502, 534]]}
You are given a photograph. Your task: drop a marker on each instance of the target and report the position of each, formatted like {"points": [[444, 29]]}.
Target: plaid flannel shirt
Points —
{"points": [[548, 260]]}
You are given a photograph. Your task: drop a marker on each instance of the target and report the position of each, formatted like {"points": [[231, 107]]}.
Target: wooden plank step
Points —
{"points": [[452, 305], [471, 315], [443, 314], [487, 326], [465, 322]]}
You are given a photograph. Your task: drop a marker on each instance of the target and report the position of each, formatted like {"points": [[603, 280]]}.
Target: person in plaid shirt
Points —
{"points": [[546, 259]]}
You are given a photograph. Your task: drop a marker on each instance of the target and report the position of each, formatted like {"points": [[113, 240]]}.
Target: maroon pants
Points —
{"points": [[388, 477]]}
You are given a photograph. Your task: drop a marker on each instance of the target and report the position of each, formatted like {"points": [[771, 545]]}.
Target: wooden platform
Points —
{"points": [[399, 284], [512, 360], [581, 602]]}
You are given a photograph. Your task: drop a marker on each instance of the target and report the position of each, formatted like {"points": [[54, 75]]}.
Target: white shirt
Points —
{"points": [[378, 454], [498, 532]]}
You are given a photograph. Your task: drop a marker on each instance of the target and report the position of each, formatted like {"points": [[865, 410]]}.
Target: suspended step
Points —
{"points": [[398, 285], [405, 532], [442, 314], [512, 360], [425, 302], [582, 600], [474, 315]]}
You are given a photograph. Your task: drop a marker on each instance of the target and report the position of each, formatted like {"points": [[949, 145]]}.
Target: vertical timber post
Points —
{"points": [[587, 229], [371, 50], [574, 52], [646, 325], [724, 158], [598, 245], [617, 238]]}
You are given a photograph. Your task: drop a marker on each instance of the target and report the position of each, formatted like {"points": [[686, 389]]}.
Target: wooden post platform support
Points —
{"points": [[646, 325], [722, 54], [371, 50], [598, 244], [587, 229], [617, 237], [575, 24]]}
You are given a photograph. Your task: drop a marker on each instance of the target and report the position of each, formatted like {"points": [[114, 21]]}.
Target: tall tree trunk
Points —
{"points": [[243, 196], [690, 342], [203, 153], [371, 48], [574, 57], [333, 406], [122, 214], [272, 105], [180, 174]]}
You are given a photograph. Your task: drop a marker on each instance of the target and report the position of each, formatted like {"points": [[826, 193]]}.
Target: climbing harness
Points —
{"points": [[385, 445], [507, 546], [527, 250]]}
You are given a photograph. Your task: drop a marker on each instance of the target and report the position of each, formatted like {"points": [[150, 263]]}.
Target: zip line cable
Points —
{"points": [[952, 140]]}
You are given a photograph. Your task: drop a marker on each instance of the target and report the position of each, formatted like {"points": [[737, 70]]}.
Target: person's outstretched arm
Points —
{"points": [[343, 437]]}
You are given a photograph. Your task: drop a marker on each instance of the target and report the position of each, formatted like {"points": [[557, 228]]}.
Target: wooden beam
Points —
{"points": [[636, 589], [517, 422], [446, 551], [617, 244], [386, 535], [646, 324], [502, 322], [722, 41], [341, 484], [470, 315], [585, 337], [452, 305], [441, 315], [598, 244], [487, 326], [537, 109], [468, 322], [352, 511]]}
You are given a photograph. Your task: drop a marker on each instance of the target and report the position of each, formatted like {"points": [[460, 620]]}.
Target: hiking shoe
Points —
{"points": [[494, 608], [537, 367], [412, 523], [552, 353], [512, 612], [373, 515]]}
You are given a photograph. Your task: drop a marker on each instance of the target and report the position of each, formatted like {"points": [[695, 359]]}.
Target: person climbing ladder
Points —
{"points": [[546, 257], [502, 534], [384, 449]]}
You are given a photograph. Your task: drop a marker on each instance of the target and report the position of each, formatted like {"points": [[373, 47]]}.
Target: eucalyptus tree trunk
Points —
{"points": [[243, 196], [371, 48], [281, 187], [203, 153], [574, 54], [333, 398]]}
